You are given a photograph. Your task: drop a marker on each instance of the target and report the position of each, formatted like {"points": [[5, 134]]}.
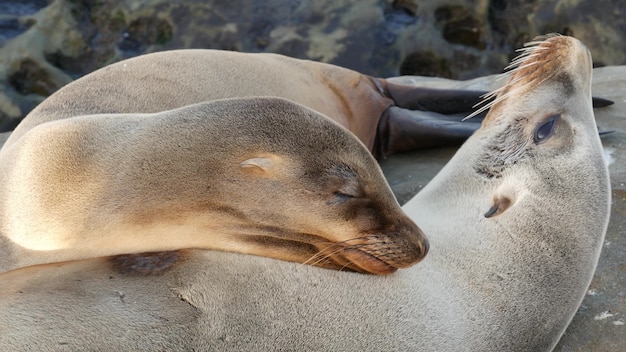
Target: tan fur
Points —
{"points": [[510, 282], [168, 80], [230, 175]]}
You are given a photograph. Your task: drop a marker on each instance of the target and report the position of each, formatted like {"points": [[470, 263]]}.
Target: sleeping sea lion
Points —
{"points": [[515, 221], [263, 176]]}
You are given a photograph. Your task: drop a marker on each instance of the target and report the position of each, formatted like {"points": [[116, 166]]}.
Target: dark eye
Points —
{"points": [[545, 130]]}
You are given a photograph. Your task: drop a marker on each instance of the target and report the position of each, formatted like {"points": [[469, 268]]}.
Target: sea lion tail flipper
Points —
{"points": [[402, 130], [448, 101]]}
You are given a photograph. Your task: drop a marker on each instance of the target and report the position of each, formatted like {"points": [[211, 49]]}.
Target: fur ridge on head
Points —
{"points": [[516, 71]]}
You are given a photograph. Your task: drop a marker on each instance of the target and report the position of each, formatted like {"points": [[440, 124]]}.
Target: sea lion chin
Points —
{"points": [[262, 176]]}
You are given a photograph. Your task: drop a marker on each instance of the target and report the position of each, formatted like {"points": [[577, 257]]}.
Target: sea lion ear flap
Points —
{"points": [[263, 164]]}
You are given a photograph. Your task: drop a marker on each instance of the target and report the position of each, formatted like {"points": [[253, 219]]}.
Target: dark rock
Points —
{"points": [[425, 63], [31, 78], [460, 26], [408, 6], [144, 32]]}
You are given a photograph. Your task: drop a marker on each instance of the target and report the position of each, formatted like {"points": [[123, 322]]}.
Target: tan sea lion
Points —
{"points": [[234, 175], [515, 220], [372, 108]]}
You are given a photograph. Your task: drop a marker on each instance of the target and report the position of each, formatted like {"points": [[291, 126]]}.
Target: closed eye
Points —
{"points": [[340, 197], [545, 130]]}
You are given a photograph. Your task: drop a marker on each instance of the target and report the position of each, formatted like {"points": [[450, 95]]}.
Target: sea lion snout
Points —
{"points": [[400, 245], [405, 247]]}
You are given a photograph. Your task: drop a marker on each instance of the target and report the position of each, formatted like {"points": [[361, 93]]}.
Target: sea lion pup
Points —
{"points": [[262, 176], [515, 221], [371, 108]]}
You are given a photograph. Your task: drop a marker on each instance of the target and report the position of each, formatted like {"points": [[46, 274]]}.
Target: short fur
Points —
{"points": [[173, 79], [233, 175], [508, 281]]}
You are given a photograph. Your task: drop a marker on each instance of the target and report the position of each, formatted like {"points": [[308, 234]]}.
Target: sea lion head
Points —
{"points": [[537, 157], [263, 176], [313, 191], [298, 186], [544, 109]]}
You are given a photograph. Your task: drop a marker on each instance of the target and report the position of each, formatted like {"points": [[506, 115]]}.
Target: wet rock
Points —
{"points": [[21, 7], [12, 17], [425, 63], [460, 26], [408, 6], [509, 23], [31, 78], [11, 27], [398, 16], [144, 32]]}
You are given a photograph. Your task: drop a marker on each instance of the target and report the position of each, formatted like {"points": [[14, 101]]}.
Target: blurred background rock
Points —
{"points": [[45, 44]]}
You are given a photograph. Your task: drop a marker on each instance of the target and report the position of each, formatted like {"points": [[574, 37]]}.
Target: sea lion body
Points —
{"points": [[231, 175], [172, 79], [515, 220]]}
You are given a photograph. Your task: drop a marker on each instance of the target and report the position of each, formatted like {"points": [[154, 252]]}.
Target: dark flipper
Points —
{"points": [[443, 101], [401, 130], [601, 102], [150, 263], [447, 101]]}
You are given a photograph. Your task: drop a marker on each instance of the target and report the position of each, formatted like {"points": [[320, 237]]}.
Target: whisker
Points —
{"points": [[345, 266], [331, 249], [320, 252], [521, 63], [326, 256]]}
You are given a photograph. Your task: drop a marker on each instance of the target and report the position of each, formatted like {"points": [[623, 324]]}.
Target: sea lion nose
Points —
{"points": [[413, 243]]}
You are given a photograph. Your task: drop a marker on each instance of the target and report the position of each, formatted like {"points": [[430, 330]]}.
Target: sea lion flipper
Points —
{"points": [[149, 263], [403, 130], [443, 101], [448, 101], [601, 102]]}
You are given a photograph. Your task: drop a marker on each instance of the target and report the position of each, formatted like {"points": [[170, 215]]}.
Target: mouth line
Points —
{"points": [[357, 254], [363, 262], [374, 253]]}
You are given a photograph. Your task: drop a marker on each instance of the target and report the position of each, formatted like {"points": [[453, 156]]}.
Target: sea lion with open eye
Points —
{"points": [[515, 221], [263, 176]]}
